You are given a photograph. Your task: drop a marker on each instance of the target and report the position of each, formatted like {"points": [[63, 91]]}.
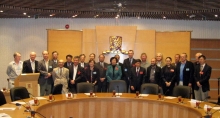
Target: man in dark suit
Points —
{"points": [[75, 75], [185, 71], [45, 80], [102, 66], [154, 74], [127, 65], [55, 58], [68, 62], [138, 74], [177, 60], [82, 63], [202, 76], [30, 65], [120, 64]]}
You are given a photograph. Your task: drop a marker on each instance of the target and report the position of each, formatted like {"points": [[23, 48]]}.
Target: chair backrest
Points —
{"points": [[18, 93], [2, 98], [183, 91], [84, 87], [149, 88], [57, 89], [117, 85]]}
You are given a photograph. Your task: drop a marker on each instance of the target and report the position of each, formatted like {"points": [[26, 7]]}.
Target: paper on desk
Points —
{"points": [[4, 115], [143, 95], [41, 98], [169, 97], [216, 108], [7, 108], [18, 102], [89, 93]]}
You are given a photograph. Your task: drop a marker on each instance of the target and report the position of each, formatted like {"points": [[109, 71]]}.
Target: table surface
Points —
{"points": [[59, 98]]}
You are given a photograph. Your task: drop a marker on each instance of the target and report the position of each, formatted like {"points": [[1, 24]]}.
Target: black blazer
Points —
{"points": [[202, 77], [188, 72], [95, 74], [85, 65], [27, 67], [79, 74], [157, 75], [127, 67], [137, 79], [65, 65], [55, 64], [102, 71], [168, 75]]}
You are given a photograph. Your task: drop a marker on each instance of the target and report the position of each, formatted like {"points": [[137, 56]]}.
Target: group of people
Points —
{"points": [[134, 72]]}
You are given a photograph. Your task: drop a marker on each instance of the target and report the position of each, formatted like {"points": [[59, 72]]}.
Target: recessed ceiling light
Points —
{"points": [[29, 16], [1, 10], [164, 17], [24, 13], [74, 16], [216, 15], [97, 15], [116, 17], [51, 15]]}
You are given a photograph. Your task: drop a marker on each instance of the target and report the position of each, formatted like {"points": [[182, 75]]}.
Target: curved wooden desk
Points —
{"points": [[105, 106]]}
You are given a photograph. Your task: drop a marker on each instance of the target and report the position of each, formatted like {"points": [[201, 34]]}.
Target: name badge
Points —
{"points": [[50, 66], [94, 72], [126, 70], [187, 69]]}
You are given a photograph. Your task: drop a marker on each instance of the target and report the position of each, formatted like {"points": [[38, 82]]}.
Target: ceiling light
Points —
{"points": [[216, 15], [97, 15], [24, 13], [51, 15], [29, 16], [73, 16], [1, 11], [116, 17], [164, 17]]}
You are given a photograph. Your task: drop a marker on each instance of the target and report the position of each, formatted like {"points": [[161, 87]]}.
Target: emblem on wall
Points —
{"points": [[115, 45]]}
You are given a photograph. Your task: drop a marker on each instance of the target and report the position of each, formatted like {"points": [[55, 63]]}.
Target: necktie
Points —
{"points": [[201, 67], [130, 61], [60, 71], [137, 71]]}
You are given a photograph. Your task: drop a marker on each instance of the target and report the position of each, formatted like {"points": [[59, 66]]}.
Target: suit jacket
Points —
{"points": [[117, 73], [127, 67], [91, 76], [102, 71], [43, 72], [55, 64], [85, 65], [157, 75], [203, 77], [66, 66], [188, 72], [137, 79], [168, 75], [79, 75], [64, 75], [27, 67]]}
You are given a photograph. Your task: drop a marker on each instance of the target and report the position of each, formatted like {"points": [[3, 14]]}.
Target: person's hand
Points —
{"points": [[198, 84], [87, 81], [189, 84], [72, 81], [132, 87], [102, 79]]}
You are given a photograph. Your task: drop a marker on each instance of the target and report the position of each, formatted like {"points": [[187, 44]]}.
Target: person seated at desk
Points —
{"points": [[113, 70]]}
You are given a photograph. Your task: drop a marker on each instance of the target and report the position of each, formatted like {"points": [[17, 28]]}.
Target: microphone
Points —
{"points": [[35, 112], [17, 104], [210, 115], [166, 92], [118, 90]]}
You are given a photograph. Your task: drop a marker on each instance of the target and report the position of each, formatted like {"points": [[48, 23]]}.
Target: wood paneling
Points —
{"points": [[65, 42], [205, 43], [215, 74], [210, 54]]}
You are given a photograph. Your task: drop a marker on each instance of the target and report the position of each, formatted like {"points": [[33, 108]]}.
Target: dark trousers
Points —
{"points": [[102, 86], [127, 82]]}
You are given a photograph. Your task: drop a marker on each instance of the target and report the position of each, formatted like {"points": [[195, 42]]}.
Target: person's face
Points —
{"points": [[143, 57], [92, 57], [138, 64], [201, 60], [117, 57], [153, 62], [182, 57], [69, 59], [101, 58], [17, 57], [159, 57], [113, 62], [61, 63], [82, 59], [45, 55], [91, 64], [75, 61], [130, 54], [196, 57], [168, 61], [55, 56], [32, 56], [177, 58]]}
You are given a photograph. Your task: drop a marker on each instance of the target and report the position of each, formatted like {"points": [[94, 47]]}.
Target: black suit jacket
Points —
{"points": [[188, 72], [203, 77], [157, 75], [127, 67], [137, 79], [95, 74], [168, 75], [55, 64], [85, 65], [66, 66], [27, 67], [102, 71]]}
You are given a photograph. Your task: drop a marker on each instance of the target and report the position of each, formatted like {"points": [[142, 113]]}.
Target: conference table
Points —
{"points": [[103, 105]]}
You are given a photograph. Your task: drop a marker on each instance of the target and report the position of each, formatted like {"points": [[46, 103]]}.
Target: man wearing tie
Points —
{"points": [[45, 80], [61, 76], [202, 76], [102, 66], [55, 58], [75, 75], [127, 65], [138, 74], [68, 62], [82, 63], [30, 65]]}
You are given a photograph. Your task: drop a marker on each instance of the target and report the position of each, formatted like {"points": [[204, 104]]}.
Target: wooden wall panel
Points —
{"points": [[171, 43], [65, 42], [211, 54], [205, 43]]}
